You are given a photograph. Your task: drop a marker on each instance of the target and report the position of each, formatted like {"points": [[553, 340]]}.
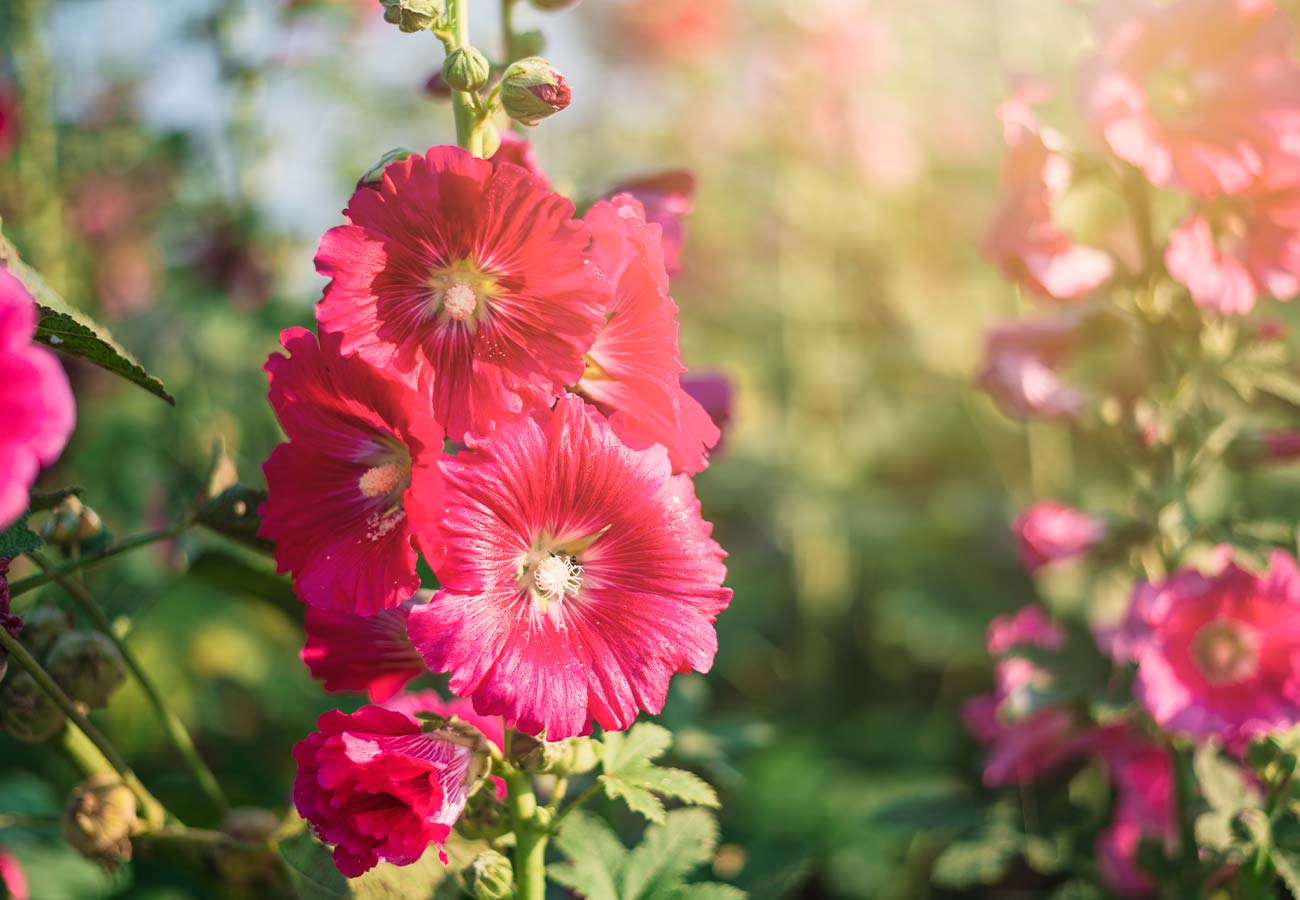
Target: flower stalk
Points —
{"points": [[463, 103], [531, 835], [32, 582]]}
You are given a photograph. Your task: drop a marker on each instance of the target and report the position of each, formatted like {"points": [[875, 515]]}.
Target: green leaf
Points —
{"points": [[311, 869], [73, 332], [18, 539], [709, 891], [1288, 869], [234, 573], [644, 743], [1222, 783], [594, 857], [631, 776], [668, 852], [314, 877], [233, 513], [966, 864]]}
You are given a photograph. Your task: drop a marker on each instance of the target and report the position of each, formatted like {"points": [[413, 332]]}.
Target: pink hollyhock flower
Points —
{"points": [[519, 151], [36, 405], [349, 492], [347, 652], [12, 877], [1052, 532], [667, 199], [379, 787], [1217, 655], [1027, 245], [717, 394], [1144, 808], [1030, 626], [1019, 367], [467, 276], [578, 578], [1201, 95], [634, 369], [1247, 248]]}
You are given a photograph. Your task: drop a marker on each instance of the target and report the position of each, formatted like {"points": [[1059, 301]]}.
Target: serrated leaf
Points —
{"points": [[18, 539], [711, 890], [594, 857], [631, 776], [71, 331], [644, 743], [668, 852], [233, 513]]}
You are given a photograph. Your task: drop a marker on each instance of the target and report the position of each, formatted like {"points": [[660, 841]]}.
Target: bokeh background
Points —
{"points": [[847, 157]]}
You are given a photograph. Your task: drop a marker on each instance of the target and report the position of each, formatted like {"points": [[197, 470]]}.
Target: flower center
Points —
{"points": [[461, 292], [557, 576], [1226, 652], [459, 301], [384, 479]]}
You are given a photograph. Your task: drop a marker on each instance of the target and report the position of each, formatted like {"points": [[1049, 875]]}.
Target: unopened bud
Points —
{"points": [[489, 877], [72, 524], [466, 69], [87, 666], [375, 173], [42, 626], [531, 90], [26, 711], [485, 817], [530, 43], [568, 757], [413, 15], [554, 4], [250, 823], [99, 819]]}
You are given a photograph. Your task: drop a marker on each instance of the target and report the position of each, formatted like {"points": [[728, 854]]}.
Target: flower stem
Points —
{"points": [[531, 834], [23, 585], [1184, 801], [175, 728], [85, 742], [462, 103], [509, 44]]}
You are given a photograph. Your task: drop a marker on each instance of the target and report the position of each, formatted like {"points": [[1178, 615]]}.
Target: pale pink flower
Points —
{"points": [[1050, 532]]}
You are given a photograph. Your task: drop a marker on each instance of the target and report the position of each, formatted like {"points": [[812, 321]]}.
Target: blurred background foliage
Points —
{"points": [[847, 156]]}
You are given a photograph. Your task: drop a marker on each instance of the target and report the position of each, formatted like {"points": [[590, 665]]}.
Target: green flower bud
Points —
{"points": [[568, 757], [375, 173], [532, 91], [72, 524], [489, 877], [530, 43], [491, 140], [413, 15], [26, 711], [485, 817], [99, 819], [42, 626], [466, 69], [87, 666]]}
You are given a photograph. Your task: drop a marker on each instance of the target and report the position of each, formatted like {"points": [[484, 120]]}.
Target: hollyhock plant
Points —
{"points": [[469, 278], [1144, 809], [1217, 656], [1051, 532], [379, 787], [36, 406], [634, 369], [579, 576], [1019, 367], [1202, 95], [348, 652], [349, 493], [1023, 239], [1245, 249]]}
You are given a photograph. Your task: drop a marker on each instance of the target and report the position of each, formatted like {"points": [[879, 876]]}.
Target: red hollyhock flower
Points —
{"points": [[378, 787], [348, 490], [634, 368], [347, 652], [578, 578], [468, 276]]}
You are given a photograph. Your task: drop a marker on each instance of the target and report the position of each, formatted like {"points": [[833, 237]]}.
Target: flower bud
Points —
{"points": [[250, 823], [551, 5], [42, 626], [466, 69], [72, 524], [485, 817], [489, 877], [530, 43], [375, 173], [99, 820], [568, 757], [87, 666], [413, 15], [532, 91], [26, 711]]}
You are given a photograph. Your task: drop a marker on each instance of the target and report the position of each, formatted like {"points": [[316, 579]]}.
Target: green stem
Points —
{"points": [[577, 802], [103, 750], [462, 104], [530, 838], [23, 585], [509, 43], [175, 728], [1138, 194], [1184, 800]]}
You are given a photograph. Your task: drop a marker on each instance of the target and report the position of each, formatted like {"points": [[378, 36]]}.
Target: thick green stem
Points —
{"points": [[462, 103], [175, 728], [531, 834], [509, 43], [153, 810], [31, 583], [1184, 800]]}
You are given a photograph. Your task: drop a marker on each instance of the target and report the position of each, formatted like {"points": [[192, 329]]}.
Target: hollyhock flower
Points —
{"points": [[379, 787], [1030, 626], [634, 369], [1144, 808], [12, 877], [717, 394], [347, 652], [1019, 367], [1201, 95], [1027, 245], [467, 276], [36, 405], [1217, 655], [348, 493], [519, 151], [578, 578], [1230, 256], [1052, 532], [667, 199]]}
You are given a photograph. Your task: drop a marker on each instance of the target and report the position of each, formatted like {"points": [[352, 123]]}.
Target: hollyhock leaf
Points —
{"points": [[234, 573], [965, 864], [644, 743], [709, 891], [679, 784], [315, 877], [71, 331], [1222, 783], [594, 858], [18, 539], [311, 869], [233, 513], [668, 852]]}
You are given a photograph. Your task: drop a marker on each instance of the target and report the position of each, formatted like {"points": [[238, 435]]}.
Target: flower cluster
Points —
{"points": [[496, 388]]}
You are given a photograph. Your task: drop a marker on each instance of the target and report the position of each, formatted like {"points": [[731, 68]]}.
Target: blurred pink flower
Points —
{"points": [[1019, 367], [12, 877], [1051, 532], [1144, 808], [36, 404], [1027, 245], [672, 30], [667, 198], [8, 121], [1202, 95], [717, 394], [1280, 445], [1030, 626], [1247, 248], [1217, 656]]}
